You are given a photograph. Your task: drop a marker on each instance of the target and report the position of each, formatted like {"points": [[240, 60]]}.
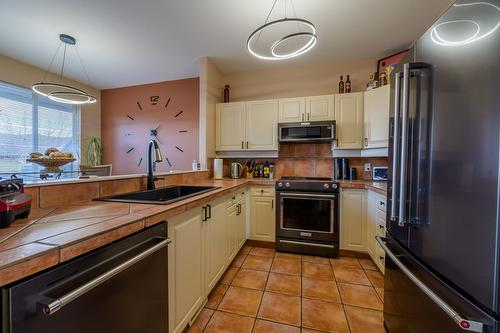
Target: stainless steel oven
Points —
{"points": [[307, 216]]}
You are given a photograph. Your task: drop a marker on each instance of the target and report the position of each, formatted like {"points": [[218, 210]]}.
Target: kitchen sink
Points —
{"points": [[162, 196]]}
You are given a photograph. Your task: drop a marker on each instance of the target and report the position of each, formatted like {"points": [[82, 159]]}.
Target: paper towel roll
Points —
{"points": [[218, 167]]}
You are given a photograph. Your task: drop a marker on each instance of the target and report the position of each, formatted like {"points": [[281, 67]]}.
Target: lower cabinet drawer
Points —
{"points": [[265, 191]]}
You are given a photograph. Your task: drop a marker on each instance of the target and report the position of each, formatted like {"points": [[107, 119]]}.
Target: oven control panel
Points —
{"points": [[307, 185]]}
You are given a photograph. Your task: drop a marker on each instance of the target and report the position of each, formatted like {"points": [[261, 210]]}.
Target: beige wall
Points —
{"points": [[210, 94], [22, 74], [296, 81]]}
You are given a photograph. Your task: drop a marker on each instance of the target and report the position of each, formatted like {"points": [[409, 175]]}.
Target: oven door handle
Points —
{"points": [[307, 195], [57, 304]]}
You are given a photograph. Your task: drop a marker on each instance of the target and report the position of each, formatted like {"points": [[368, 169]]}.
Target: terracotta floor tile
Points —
{"points": [[238, 260], [380, 293], [351, 275], [264, 326], [316, 259], [284, 284], [376, 278], [249, 278], [318, 271], [306, 330], [364, 320], [286, 266], [222, 322], [286, 255], [245, 249], [345, 262], [257, 262], [323, 316], [201, 322], [368, 264], [241, 301], [229, 275], [262, 251], [358, 295], [280, 308], [216, 296], [321, 289]]}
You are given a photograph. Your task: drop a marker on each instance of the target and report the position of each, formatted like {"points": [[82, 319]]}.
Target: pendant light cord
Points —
{"points": [[64, 60], [51, 62], [267, 19]]}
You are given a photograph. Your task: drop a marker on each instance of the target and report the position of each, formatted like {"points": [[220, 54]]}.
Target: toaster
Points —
{"points": [[14, 203], [380, 173]]}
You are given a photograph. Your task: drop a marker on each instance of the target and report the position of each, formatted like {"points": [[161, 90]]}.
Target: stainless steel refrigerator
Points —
{"points": [[443, 247]]}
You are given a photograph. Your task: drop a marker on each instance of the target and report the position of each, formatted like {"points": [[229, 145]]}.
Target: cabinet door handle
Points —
{"points": [[242, 145], [209, 211], [308, 116], [204, 213], [382, 203], [247, 144], [272, 204], [380, 226], [366, 142]]}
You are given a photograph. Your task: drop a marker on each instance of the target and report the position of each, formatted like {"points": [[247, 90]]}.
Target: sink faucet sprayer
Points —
{"points": [[151, 166]]}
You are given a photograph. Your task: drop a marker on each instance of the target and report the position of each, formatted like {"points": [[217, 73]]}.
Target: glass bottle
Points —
{"points": [[341, 85]]}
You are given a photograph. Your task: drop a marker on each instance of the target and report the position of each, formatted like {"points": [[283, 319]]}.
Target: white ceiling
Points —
{"points": [[128, 42]]}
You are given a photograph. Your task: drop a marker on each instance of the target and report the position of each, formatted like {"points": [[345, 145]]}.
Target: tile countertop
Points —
{"points": [[376, 186], [50, 236]]}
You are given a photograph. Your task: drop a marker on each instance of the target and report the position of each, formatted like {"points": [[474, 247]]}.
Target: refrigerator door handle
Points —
{"points": [[464, 324], [404, 146], [395, 145]]}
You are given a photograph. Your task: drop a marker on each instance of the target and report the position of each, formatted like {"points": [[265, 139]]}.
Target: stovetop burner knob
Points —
{"points": [[287, 184], [280, 184], [326, 185], [334, 186]]}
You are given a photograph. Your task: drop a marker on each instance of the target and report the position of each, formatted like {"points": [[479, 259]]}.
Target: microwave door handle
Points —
{"points": [[395, 150]]}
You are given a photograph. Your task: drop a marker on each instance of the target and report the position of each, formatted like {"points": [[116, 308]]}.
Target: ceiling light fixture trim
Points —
{"points": [[273, 54], [59, 92]]}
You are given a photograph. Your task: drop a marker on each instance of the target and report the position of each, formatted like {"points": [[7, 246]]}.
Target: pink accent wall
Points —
{"points": [[120, 133]]}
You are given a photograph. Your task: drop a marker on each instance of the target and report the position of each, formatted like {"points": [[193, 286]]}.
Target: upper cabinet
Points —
{"points": [[242, 126], [376, 118], [320, 108], [302, 109], [349, 120], [230, 126]]}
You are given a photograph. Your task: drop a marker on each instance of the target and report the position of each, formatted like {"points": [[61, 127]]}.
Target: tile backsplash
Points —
{"points": [[307, 160]]}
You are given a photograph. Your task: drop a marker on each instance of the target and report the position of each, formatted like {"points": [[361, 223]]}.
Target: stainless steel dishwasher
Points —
{"points": [[121, 287]]}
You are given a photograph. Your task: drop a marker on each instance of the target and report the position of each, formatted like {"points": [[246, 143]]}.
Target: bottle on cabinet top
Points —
{"points": [[348, 85], [341, 85]]}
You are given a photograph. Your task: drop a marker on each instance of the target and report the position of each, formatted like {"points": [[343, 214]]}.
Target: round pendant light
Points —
{"points": [[283, 38], [59, 92]]}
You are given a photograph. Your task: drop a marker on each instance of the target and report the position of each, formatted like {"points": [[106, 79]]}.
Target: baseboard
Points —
{"points": [[257, 243], [354, 254]]}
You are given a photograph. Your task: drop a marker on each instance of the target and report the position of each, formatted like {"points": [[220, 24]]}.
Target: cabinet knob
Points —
{"points": [[381, 258]]}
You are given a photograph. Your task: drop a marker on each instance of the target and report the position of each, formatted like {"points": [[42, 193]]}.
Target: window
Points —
{"points": [[32, 123]]}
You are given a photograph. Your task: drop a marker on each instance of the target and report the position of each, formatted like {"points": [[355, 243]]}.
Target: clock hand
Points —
{"points": [[156, 136]]}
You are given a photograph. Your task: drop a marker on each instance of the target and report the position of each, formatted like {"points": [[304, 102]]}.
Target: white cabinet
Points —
{"points": [[261, 125], [242, 126], [320, 108], [353, 218], [349, 120], [312, 108], [376, 227], [376, 117], [262, 214], [230, 126], [236, 217], [215, 237], [186, 292], [292, 110]]}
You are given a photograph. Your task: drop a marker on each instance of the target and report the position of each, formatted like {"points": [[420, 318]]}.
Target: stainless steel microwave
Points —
{"points": [[307, 131]]}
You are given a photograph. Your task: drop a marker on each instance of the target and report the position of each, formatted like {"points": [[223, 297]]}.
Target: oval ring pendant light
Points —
{"points": [[302, 29], [59, 92]]}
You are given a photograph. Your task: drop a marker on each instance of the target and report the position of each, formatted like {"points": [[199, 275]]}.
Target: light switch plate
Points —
{"points": [[368, 167]]}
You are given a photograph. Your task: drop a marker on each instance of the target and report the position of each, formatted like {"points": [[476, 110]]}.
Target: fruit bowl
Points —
{"points": [[51, 164]]}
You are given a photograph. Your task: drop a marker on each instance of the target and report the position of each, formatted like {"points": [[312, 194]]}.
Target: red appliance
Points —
{"points": [[14, 203]]}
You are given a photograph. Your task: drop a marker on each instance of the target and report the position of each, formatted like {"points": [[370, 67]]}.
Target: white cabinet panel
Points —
{"points": [[261, 125], [349, 120], [230, 126], [320, 108], [353, 220], [216, 235], [292, 110], [262, 215], [376, 117]]}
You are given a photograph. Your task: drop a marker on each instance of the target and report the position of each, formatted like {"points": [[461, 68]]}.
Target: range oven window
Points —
{"points": [[309, 132], [311, 214]]}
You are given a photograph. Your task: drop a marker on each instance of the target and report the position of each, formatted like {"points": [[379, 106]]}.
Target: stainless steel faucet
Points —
{"points": [[151, 166]]}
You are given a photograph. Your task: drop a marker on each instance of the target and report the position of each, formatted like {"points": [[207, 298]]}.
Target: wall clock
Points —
{"points": [[154, 117]]}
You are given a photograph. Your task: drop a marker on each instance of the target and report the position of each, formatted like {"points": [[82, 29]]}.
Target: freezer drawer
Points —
{"points": [[409, 308]]}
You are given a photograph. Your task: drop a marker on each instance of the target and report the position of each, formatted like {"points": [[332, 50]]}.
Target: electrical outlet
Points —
{"points": [[368, 167]]}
